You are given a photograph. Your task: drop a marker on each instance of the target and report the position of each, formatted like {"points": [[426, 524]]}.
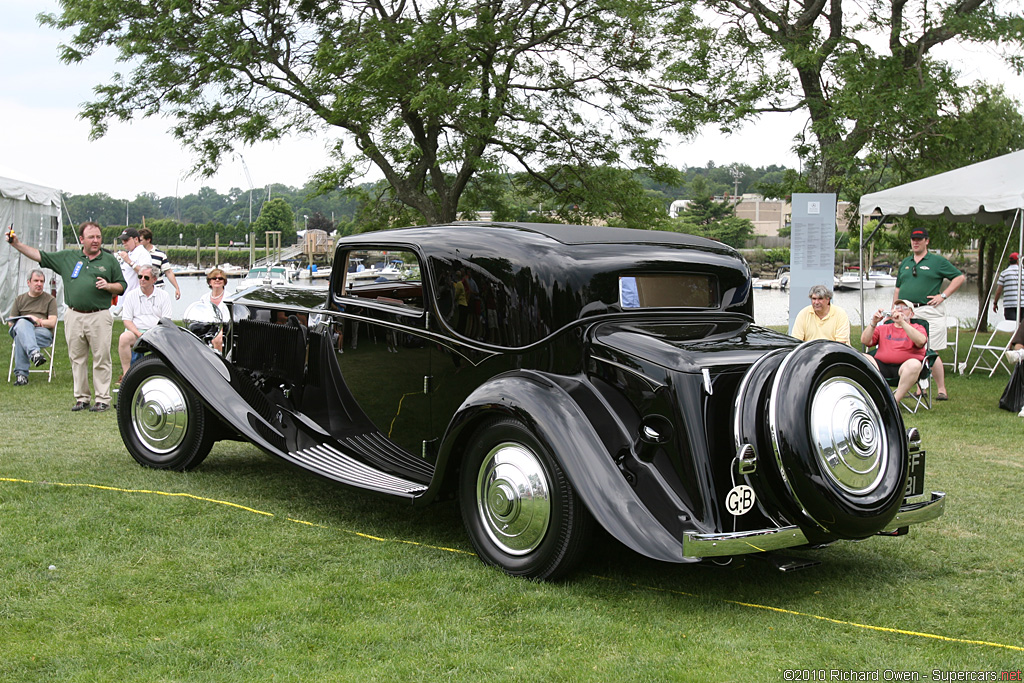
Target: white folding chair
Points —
{"points": [[990, 354], [953, 342], [46, 351]]}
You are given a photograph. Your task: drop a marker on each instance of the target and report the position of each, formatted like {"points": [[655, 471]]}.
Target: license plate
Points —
{"points": [[915, 480]]}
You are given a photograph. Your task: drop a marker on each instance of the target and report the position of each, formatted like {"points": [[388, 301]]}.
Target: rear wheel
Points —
{"points": [[521, 512], [163, 423]]}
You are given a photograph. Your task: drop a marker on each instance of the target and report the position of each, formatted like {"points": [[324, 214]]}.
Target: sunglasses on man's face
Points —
{"points": [[145, 277], [217, 279]]}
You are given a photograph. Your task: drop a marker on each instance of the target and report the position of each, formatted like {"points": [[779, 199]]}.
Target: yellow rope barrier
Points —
{"points": [[751, 605]]}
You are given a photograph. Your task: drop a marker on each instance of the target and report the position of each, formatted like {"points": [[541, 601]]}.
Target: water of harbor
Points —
{"points": [[771, 306]]}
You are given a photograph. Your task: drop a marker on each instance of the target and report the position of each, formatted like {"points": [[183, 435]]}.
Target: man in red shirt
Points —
{"points": [[901, 345]]}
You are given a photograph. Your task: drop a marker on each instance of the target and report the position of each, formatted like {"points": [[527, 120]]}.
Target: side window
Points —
{"points": [[387, 276], [478, 303]]}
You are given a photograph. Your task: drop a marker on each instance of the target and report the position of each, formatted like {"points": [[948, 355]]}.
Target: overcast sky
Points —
{"points": [[43, 141]]}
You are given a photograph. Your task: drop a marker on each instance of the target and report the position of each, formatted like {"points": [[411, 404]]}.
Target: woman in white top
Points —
{"points": [[217, 280]]}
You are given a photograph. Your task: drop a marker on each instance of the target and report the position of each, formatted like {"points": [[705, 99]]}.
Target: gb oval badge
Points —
{"points": [[739, 500]]}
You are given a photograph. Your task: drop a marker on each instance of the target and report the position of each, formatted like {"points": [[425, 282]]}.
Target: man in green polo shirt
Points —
{"points": [[91, 278], [920, 282]]}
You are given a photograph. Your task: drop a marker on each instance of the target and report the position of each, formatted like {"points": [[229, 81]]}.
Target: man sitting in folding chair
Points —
{"points": [[141, 310], [32, 320], [901, 346]]}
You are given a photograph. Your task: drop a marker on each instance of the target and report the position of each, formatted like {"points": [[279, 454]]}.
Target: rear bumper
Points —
{"points": [[763, 540]]}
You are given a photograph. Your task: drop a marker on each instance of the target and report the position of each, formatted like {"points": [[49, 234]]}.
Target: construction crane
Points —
{"points": [[248, 179]]}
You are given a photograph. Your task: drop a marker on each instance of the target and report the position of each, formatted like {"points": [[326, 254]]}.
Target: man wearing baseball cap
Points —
{"points": [[1007, 288], [901, 346], [920, 282], [133, 257]]}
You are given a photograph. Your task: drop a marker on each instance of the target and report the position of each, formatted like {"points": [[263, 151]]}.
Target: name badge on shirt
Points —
{"points": [[77, 270]]}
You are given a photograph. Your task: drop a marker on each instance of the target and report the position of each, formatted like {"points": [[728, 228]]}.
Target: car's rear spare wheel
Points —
{"points": [[836, 437]]}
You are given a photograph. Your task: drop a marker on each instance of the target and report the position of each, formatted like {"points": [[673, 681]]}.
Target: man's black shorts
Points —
{"points": [[889, 370]]}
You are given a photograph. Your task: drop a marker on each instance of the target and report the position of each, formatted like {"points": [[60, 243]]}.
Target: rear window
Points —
{"points": [[667, 290]]}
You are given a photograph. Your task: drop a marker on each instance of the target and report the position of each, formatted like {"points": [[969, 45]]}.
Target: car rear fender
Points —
{"points": [[558, 420]]}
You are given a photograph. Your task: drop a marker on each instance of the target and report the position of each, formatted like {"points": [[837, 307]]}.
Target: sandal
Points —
{"points": [[941, 397]]}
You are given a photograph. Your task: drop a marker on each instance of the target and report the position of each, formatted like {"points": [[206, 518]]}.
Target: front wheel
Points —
{"points": [[163, 424], [520, 510]]}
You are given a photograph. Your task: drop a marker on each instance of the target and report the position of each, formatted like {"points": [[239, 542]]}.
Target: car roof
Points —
{"points": [[565, 234], [578, 265]]}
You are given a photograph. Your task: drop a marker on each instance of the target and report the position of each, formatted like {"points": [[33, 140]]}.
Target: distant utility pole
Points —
{"points": [[736, 175]]}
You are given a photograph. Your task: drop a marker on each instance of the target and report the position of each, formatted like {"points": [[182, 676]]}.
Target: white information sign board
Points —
{"points": [[812, 248]]}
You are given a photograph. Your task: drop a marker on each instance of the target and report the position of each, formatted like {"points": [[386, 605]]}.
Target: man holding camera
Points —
{"points": [[901, 345]]}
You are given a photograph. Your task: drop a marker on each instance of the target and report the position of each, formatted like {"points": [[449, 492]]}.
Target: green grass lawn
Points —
{"points": [[249, 570]]}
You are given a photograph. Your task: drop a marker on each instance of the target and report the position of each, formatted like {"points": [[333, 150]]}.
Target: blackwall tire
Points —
{"points": [[162, 422], [831, 439], [521, 512]]}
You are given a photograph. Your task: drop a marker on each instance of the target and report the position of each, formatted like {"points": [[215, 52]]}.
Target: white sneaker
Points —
{"points": [[1015, 356]]}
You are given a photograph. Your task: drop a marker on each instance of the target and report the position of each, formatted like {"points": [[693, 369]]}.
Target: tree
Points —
{"points": [[435, 94], [864, 73], [318, 221], [990, 125], [100, 208], [276, 215]]}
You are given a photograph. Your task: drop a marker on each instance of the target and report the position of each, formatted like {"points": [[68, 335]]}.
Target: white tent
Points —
{"points": [[986, 192], [989, 191], [34, 211]]}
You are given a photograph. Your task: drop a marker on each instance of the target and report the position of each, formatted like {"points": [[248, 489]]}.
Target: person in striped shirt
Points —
{"points": [[1006, 287], [163, 268]]}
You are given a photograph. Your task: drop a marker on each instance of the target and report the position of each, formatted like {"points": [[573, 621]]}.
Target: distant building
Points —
{"points": [[484, 216], [771, 215], [315, 242], [677, 206], [768, 215]]}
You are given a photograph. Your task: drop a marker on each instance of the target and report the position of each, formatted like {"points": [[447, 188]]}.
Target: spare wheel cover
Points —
{"points": [[838, 439]]}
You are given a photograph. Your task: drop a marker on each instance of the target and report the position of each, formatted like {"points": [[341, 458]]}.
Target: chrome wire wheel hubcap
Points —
{"points": [[513, 498], [159, 414], [849, 435]]}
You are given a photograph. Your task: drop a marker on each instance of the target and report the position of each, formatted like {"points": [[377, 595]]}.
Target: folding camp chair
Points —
{"points": [[953, 342], [921, 396], [990, 354], [46, 351]]}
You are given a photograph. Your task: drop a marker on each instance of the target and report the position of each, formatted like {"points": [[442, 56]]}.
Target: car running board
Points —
{"points": [[330, 462]]}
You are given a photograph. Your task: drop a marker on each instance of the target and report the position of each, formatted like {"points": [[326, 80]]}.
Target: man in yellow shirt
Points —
{"points": [[822, 320]]}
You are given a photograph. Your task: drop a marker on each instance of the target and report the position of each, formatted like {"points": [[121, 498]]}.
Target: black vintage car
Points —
{"points": [[548, 377]]}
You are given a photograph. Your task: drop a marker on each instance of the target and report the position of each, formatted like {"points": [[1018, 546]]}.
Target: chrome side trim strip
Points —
{"points": [[763, 540]]}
